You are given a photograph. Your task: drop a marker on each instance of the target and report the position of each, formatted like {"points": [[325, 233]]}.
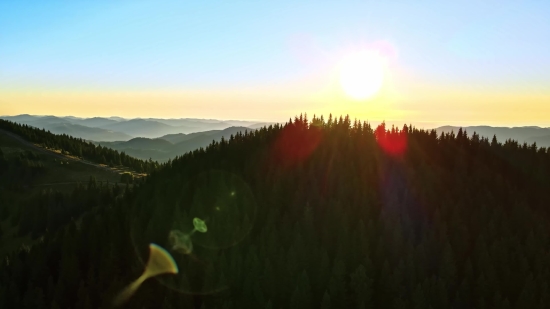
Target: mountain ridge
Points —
{"points": [[529, 134], [122, 129], [176, 130], [145, 148]]}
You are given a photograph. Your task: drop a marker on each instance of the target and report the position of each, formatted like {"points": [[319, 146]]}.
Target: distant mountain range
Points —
{"points": [[163, 139], [112, 129], [172, 145], [528, 135]]}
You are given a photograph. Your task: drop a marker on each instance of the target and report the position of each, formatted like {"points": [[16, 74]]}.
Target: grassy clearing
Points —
{"points": [[62, 173]]}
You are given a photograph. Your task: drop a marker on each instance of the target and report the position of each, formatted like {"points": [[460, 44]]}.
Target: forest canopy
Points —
{"points": [[336, 214]]}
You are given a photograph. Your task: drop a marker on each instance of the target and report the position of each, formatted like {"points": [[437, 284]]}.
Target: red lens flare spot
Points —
{"points": [[296, 142], [393, 142]]}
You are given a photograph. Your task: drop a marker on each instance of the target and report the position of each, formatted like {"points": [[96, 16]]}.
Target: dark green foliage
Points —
{"points": [[126, 178], [76, 146], [20, 170], [49, 210], [301, 297], [350, 220], [361, 287], [325, 302]]}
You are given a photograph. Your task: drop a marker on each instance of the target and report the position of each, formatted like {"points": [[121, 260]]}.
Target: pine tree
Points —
{"points": [[447, 268], [418, 298], [526, 298], [325, 302], [337, 284], [301, 297], [361, 286]]}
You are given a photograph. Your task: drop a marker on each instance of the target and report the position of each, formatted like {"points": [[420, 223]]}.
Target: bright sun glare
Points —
{"points": [[362, 74]]}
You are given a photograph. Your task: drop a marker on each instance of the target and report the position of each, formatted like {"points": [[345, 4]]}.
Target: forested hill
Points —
{"points": [[77, 147], [313, 214]]}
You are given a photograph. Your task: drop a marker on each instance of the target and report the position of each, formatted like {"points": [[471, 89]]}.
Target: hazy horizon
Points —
{"points": [[399, 123]]}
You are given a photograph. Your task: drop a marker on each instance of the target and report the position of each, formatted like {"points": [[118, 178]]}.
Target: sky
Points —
{"points": [[458, 63]]}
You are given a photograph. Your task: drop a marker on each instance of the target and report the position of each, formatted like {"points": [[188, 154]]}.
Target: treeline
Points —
{"points": [[345, 216], [78, 147]]}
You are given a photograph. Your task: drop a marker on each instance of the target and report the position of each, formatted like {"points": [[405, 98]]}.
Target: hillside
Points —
{"points": [[170, 146], [28, 171], [58, 168], [203, 139], [145, 143], [175, 138], [76, 147], [320, 214]]}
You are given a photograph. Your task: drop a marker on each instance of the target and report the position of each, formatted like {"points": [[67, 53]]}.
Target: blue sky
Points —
{"points": [[128, 45]]}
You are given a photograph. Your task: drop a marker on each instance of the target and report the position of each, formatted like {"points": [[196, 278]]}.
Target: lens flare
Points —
{"points": [[211, 211], [180, 242], [226, 203], [296, 143], [199, 225], [393, 142], [160, 262]]}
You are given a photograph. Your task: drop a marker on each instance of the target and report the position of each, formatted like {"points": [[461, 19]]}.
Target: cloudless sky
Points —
{"points": [[460, 62]]}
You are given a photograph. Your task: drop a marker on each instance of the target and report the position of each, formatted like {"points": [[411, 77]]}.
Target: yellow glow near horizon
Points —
{"points": [[362, 74], [402, 99]]}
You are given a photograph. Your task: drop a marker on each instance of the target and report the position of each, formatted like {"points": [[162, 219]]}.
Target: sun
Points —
{"points": [[362, 74]]}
